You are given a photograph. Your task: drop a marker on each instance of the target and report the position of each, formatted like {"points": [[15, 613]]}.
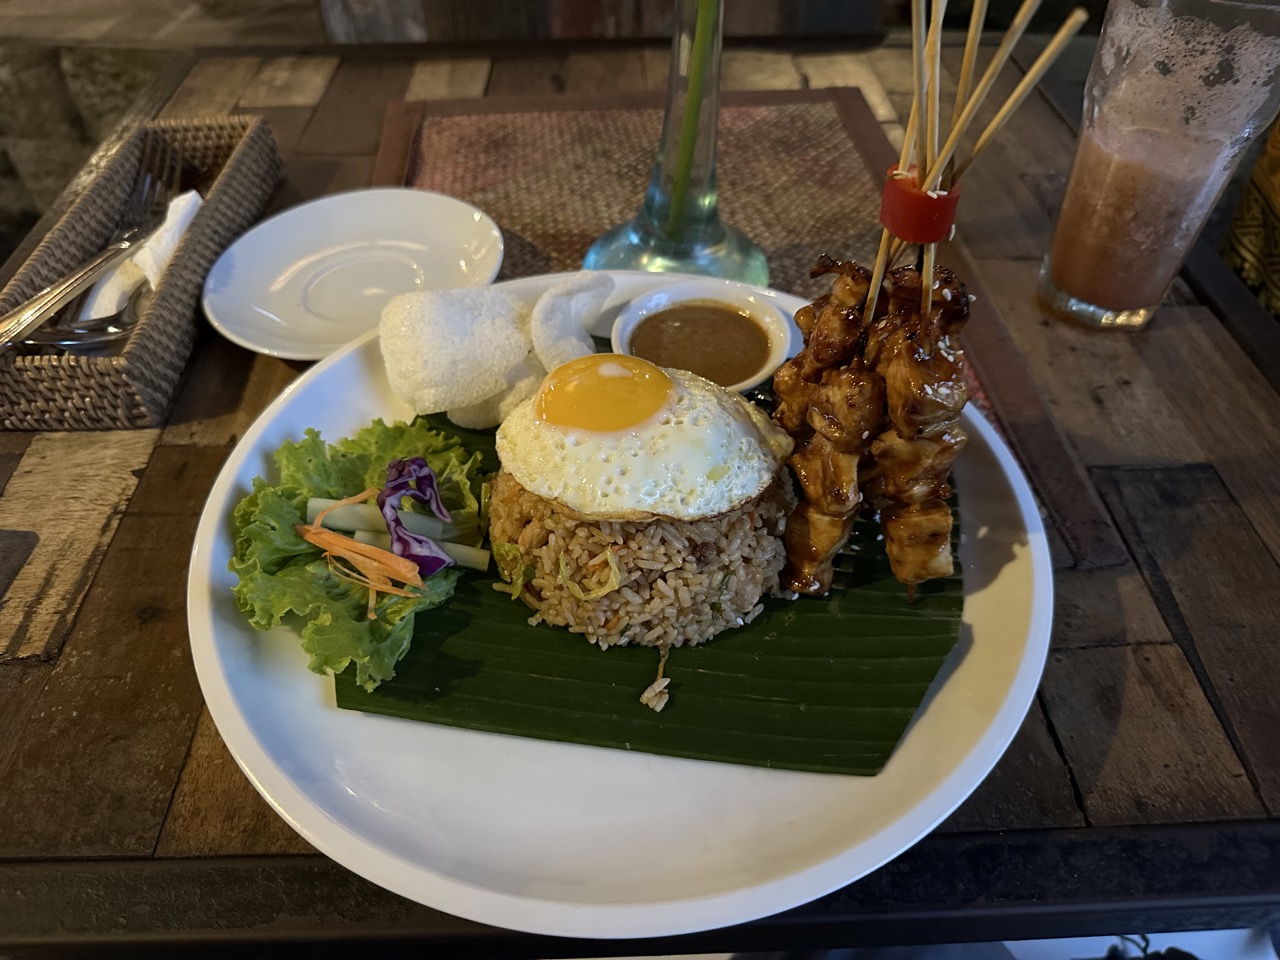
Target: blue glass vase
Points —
{"points": [[678, 228]]}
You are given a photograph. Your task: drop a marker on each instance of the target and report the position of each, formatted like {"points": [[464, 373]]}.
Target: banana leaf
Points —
{"points": [[821, 684]]}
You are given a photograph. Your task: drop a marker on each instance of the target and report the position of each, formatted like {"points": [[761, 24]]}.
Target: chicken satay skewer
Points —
{"points": [[899, 377]]}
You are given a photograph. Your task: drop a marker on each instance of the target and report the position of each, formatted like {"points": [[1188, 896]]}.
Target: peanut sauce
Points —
{"points": [[712, 339]]}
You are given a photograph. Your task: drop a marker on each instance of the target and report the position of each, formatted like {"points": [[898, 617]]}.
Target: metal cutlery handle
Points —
{"points": [[16, 325]]}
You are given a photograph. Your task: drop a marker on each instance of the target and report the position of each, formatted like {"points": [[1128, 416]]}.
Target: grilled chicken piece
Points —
{"points": [[848, 290], [847, 407], [924, 389], [812, 540], [795, 395], [828, 478], [913, 471], [948, 313], [833, 340], [950, 303], [807, 315], [917, 537]]}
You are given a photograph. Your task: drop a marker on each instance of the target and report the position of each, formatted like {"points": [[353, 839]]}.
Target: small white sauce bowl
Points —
{"points": [[785, 339]]}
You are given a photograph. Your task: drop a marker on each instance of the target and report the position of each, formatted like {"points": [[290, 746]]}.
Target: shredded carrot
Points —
{"points": [[362, 563], [396, 568], [375, 585]]}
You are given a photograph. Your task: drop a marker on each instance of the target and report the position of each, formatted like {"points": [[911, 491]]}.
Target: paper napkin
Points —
{"points": [[112, 292]]}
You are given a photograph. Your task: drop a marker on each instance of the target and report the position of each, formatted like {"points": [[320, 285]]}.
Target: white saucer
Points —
{"points": [[311, 279]]}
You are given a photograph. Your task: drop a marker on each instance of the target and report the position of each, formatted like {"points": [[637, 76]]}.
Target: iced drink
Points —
{"points": [[1133, 208], [1173, 97]]}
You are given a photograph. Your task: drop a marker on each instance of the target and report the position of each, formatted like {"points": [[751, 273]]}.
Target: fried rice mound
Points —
{"points": [[678, 582]]}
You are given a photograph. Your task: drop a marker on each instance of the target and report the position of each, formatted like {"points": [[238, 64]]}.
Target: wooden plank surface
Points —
{"points": [[215, 809], [20, 685], [104, 740], [289, 82], [12, 447], [517, 76], [73, 527], [106, 737], [212, 88], [1253, 325], [1108, 608], [1029, 425], [446, 78], [607, 71], [759, 70], [1111, 405], [225, 390], [287, 124], [1029, 788], [820, 70], [1143, 742], [1225, 404], [348, 118], [1220, 587], [308, 177]]}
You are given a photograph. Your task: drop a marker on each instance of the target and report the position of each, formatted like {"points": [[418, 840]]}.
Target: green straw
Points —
{"points": [[703, 39]]}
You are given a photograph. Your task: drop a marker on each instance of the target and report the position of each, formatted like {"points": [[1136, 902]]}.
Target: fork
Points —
{"points": [[68, 332], [157, 179]]}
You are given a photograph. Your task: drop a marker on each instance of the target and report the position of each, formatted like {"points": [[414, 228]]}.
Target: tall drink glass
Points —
{"points": [[1176, 91]]}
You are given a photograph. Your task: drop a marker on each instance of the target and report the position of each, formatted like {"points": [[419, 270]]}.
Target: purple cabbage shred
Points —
{"points": [[412, 478]]}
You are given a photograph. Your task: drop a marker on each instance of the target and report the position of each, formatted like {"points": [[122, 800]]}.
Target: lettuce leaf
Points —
{"points": [[266, 538], [284, 579], [340, 634]]}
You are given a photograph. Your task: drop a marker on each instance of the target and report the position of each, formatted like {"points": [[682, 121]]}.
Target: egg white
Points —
{"points": [[705, 452]]}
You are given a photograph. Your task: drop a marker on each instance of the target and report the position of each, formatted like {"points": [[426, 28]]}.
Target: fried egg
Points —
{"points": [[616, 437]]}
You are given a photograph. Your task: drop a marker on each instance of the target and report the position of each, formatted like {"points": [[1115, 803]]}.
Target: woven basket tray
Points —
{"points": [[135, 387]]}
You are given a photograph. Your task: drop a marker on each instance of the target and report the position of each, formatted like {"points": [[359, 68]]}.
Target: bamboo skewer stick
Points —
{"points": [[926, 279], [964, 84], [1037, 70], [1028, 9], [977, 17], [920, 79], [877, 277], [908, 139], [933, 92]]}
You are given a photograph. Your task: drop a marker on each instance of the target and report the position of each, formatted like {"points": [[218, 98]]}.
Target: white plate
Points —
{"points": [[313, 278], [583, 841]]}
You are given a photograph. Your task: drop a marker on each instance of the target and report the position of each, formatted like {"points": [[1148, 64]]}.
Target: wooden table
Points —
{"points": [[1142, 793]]}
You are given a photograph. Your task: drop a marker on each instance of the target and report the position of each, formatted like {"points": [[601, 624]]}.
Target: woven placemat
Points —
{"points": [[581, 172], [798, 171]]}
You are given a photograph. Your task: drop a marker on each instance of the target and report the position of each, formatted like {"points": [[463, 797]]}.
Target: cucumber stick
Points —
{"points": [[473, 558], [365, 516]]}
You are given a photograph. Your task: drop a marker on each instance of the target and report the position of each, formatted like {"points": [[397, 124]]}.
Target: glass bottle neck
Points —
{"points": [[682, 193]]}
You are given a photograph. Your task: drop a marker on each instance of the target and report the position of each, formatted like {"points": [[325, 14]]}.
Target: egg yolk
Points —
{"points": [[603, 392]]}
